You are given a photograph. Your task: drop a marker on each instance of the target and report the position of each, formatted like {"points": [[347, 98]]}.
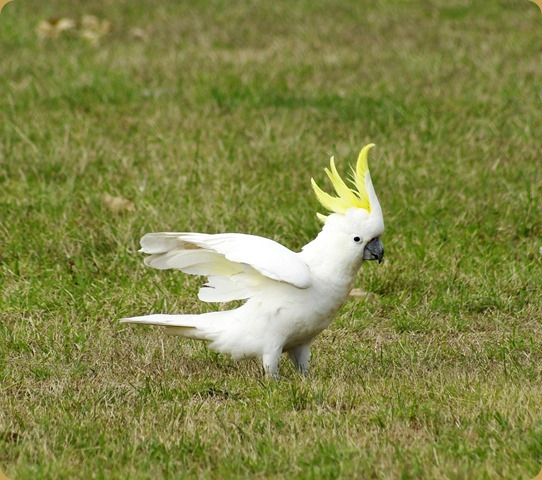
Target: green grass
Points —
{"points": [[215, 121]]}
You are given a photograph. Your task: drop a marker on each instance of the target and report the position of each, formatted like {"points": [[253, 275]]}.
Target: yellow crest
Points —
{"points": [[346, 197]]}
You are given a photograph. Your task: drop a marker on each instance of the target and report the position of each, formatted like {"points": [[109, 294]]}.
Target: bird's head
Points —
{"points": [[355, 222]]}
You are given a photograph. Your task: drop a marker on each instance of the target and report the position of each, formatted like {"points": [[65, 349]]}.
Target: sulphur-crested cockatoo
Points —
{"points": [[289, 297]]}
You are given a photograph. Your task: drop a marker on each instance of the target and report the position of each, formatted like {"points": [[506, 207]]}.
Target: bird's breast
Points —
{"points": [[310, 313]]}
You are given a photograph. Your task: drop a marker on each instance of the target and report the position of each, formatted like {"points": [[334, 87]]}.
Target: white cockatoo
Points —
{"points": [[289, 297]]}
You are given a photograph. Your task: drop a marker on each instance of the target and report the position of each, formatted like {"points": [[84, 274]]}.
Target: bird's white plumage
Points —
{"points": [[289, 297], [225, 254]]}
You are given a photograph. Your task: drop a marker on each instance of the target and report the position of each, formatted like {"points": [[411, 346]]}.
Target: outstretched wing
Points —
{"points": [[235, 264]]}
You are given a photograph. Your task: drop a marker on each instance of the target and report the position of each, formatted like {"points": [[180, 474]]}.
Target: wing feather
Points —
{"points": [[223, 289], [233, 262]]}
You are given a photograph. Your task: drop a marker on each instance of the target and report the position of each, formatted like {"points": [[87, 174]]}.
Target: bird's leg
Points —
{"points": [[300, 357], [270, 362]]}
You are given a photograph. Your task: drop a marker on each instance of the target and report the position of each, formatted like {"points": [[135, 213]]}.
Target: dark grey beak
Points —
{"points": [[374, 250]]}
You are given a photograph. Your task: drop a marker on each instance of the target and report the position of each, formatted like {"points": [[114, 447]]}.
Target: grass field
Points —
{"points": [[213, 116]]}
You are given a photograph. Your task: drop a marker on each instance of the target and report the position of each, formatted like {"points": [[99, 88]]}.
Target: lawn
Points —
{"points": [[213, 117]]}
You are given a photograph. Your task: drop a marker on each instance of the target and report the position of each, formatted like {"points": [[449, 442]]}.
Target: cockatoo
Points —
{"points": [[289, 297]]}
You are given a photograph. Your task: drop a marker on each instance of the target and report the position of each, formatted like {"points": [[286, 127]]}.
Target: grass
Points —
{"points": [[212, 117]]}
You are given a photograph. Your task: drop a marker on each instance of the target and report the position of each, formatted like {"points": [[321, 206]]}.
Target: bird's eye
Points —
{"points": [[357, 239]]}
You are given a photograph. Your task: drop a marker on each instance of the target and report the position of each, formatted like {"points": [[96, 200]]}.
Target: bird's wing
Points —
{"points": [[235, 264]]}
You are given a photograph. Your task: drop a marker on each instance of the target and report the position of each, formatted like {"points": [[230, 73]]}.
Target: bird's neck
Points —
{"points": [[328, 261]]}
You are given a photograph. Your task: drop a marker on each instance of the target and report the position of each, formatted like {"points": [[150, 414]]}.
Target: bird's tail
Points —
{"points": [[206, 326]]}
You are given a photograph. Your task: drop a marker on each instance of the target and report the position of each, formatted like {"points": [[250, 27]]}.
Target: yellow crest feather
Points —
{"points": [[346, 197]]}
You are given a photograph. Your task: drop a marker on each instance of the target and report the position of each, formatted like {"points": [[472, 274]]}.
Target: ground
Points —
{"points": [[212, 117]]}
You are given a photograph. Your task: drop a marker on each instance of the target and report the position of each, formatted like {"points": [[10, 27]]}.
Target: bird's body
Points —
{"points": [[289, 297]]}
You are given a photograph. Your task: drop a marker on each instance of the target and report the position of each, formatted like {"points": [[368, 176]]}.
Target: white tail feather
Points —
{"points": [[200, 327]]}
